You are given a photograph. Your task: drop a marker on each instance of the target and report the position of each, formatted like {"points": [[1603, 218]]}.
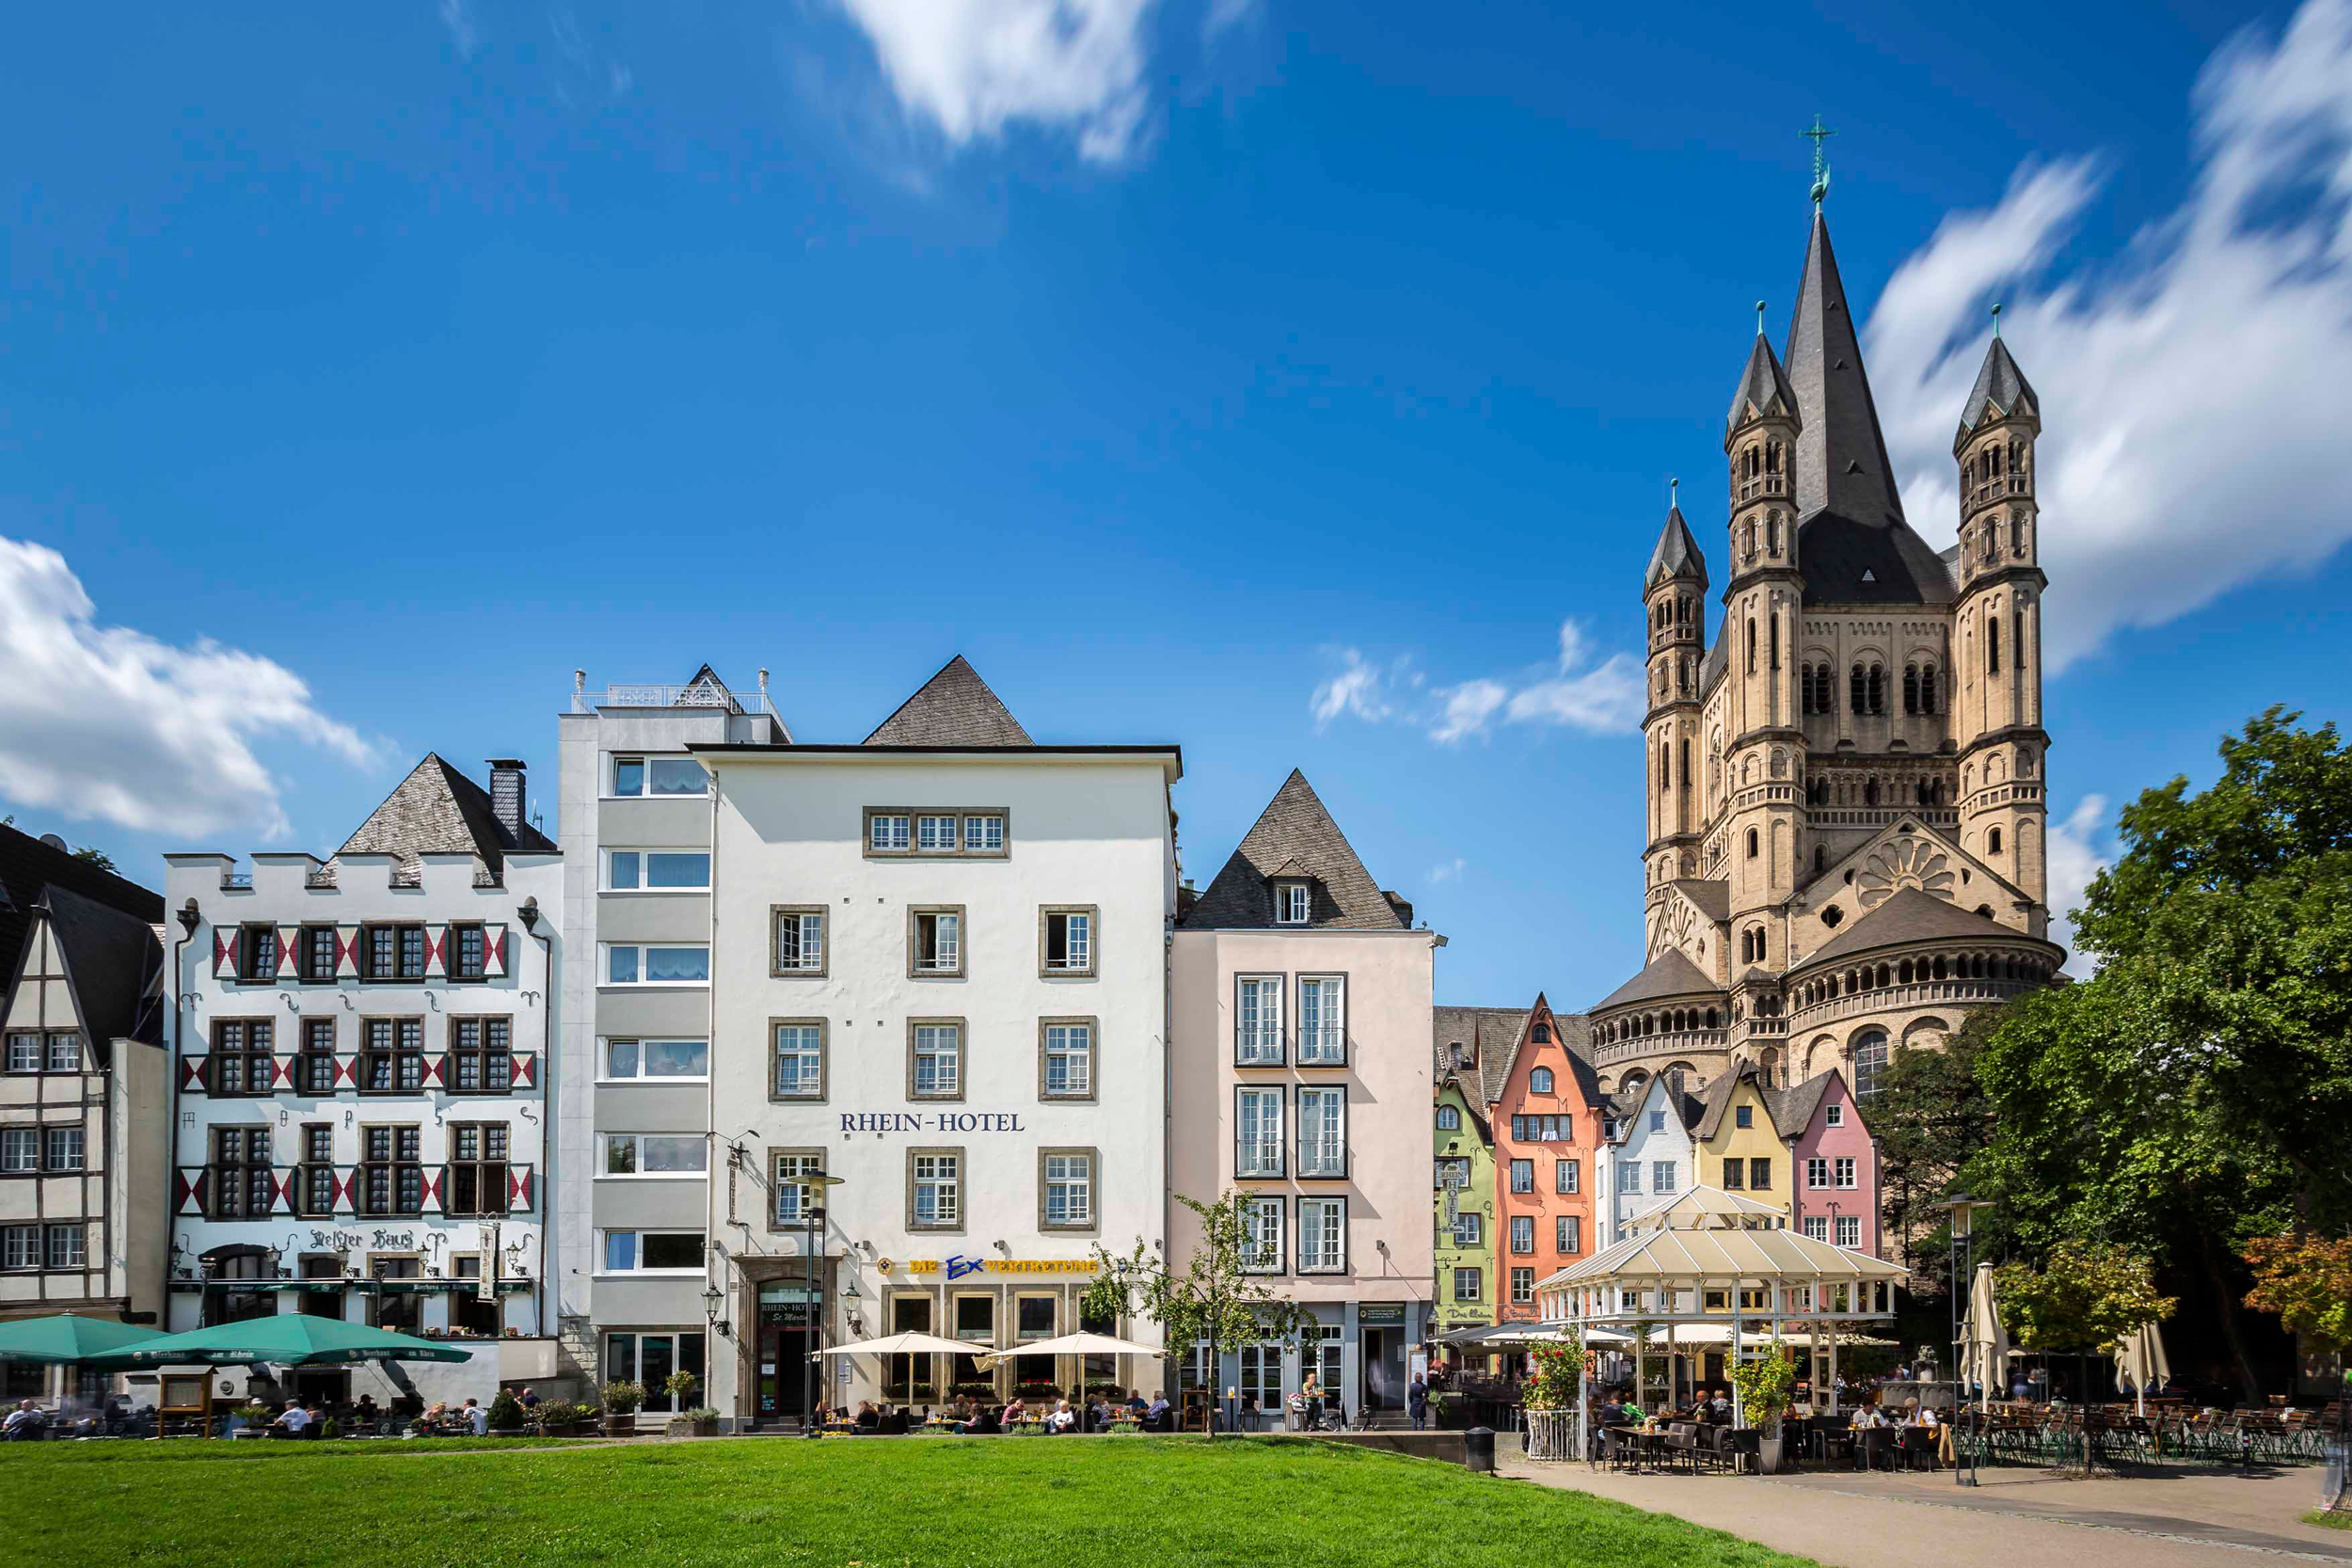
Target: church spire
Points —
{"points": [[1842, 465], [1676, 555], [1763, 391]]}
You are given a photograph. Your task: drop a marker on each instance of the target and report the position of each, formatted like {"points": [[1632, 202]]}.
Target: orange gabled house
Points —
{"points": [[1547, 1115]]}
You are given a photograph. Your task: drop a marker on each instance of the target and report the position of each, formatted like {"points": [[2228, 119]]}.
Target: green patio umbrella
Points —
{"points": [[288, 1339], [68, 1339]]}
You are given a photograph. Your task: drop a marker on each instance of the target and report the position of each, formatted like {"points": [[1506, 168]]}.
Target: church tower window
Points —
{"points": [[1993, 840], [1993, 644], [1750, 844]]}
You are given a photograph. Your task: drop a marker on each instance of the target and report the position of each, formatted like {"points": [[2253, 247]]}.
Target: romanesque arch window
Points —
{"points": [[1993, 840], [2017, 533], [1747, 535], [1869, 1059], [1992, 644], [1666, 769], [1927, 687], [1820, 857], [1858, 693], [1870, 790], [1751, 644], [1775, 640], [1911, 688], [1878, 689]]}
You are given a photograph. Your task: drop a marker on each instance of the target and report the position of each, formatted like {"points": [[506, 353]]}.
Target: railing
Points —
{"points": [[1661, 1045], [1879, 816], [1872, 998], [1321, 1161], [1762, 484], [1999, 485], [1257, 1159], [237, 881], [656, 694]]}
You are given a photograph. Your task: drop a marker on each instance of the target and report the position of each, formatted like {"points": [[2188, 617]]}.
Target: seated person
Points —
{"points": [[1099, 1414], [1062, 1419], [1017, 1410], [25, 1423], [867, 1419], [1136, 1407], [366, 1409], [291, 1420], [1156, 1415], [982, 1423], [1719, 1407]]}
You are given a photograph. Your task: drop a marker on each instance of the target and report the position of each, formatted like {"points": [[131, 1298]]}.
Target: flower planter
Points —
{"points": [[1767, 1454], [706, 1428], [620, 1426]]}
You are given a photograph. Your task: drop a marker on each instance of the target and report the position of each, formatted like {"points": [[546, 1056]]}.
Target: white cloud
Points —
{"points": [[1464, 710], [2080, 847], [1449, 871], [106, 722], [1606, 699], [2195, 423], [460, 25], [1356, 689], [972, 67], [1227, 14]]}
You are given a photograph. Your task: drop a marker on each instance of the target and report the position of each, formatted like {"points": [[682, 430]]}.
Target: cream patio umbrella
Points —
{"points": [[2140, 1360], [1984, 1343], [1068, 1344], [908, 1343]]}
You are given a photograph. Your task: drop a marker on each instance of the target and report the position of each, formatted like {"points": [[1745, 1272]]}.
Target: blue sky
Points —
{"points": [[369, 371]]}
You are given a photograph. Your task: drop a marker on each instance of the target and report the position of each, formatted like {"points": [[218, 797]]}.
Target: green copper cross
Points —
{"points": [[1817, 135]]}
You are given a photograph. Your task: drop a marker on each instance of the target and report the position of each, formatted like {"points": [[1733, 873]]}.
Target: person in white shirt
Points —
{"points": [[478, 1418], [1063, 1419], [292, 1419]]}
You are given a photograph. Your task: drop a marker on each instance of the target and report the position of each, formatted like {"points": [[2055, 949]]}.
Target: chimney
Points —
{"points": [[506, 795]]}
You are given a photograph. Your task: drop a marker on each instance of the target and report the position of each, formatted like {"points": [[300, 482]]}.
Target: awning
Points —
{"points": [[911, 1342]]}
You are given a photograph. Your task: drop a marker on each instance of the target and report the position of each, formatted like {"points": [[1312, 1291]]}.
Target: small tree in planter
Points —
{"points": [[621, 1400], [1767, 1386], [681, 1386], [506, 1412]]}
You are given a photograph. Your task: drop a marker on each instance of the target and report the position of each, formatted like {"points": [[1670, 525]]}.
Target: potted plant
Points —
{"points": [[703, 1421], [330, 1427], [1767, 1386], [680, 1386], [506, 1412], [621, 1400]]}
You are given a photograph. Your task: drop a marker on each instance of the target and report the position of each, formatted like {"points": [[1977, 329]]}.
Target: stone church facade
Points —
{"points": [[1846, 790]]}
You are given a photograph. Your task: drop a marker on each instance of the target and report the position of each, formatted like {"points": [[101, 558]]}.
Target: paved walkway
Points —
{"points": [[2018, 1518]]}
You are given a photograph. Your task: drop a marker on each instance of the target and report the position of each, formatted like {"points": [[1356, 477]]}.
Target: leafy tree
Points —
{"points": [[2196, 1091], [1210, 1297], [95, 856], [2091, 1297], [2308, 1281], [1932, 1116]]}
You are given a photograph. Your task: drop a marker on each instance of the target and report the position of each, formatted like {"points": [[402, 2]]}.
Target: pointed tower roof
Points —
{"points": [[1676, 555], [1852, 541], [1295, 836], [1763, 388], [436, 810], [954, 707], [2001, 393]]}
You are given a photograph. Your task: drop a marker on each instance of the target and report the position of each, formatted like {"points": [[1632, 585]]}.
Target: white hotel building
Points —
{"points": [[939, 975], [358, 1117]]}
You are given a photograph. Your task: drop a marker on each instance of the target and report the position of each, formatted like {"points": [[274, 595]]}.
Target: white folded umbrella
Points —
{"points": [[1071, 1345], [908, 1343], [2140, 1360]]}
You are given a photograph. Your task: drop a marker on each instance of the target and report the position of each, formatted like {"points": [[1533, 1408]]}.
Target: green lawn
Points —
{"points": [[1122, 1502]]}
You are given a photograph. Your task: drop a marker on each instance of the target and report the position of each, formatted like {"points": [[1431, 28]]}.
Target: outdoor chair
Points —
{"points": [[1876, 1449]]}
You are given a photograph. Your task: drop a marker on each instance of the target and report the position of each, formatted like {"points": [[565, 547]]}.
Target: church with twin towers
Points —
{"points": [[1847, 788]]}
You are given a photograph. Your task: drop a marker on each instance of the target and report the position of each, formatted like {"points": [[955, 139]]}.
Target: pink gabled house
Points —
{"points": [[1834, 1193]]}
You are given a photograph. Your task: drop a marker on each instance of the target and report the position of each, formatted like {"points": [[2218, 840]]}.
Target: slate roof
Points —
{"points": [[1677, 554], [116, 965], [1713, 897], [1572, 1031], [2000, 383], [29, 867], [955, 707], [1852, 543], [436, 810], [1910, 915], [1793, 1109], [1763, 387], [1295, 835], [1489, 1033], [1668, 974], [1717, 1100]]}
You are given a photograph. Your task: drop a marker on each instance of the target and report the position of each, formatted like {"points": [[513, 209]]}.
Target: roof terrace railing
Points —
{"points": [[663, 694]]}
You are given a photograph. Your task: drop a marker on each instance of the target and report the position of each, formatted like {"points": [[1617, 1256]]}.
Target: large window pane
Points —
{"points": [[678, 776], [673, 1155], [676, 1059], [673, 1249], [677, 963], [678, 868]]}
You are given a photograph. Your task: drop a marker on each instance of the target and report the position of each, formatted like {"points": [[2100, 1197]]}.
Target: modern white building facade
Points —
{"points": [[634, 1113], [938, 977], [360, 1091], [1649, 1150]]}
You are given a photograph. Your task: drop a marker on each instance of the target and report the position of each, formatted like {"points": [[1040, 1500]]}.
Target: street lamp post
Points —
{"points": [[813, 1185], [1962, 1210]]}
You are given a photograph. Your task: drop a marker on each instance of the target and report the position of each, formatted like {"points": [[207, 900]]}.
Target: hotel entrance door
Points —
{"points": [[784, 1340]]}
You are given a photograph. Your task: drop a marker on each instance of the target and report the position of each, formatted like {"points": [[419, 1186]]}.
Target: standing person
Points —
{"points": [[1417, 1401], [1311, 1401], [529, 1401], [477, 1418], [25, 1423]]}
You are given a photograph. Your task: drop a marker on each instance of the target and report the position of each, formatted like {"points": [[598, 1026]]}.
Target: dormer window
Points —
{"points": [[1292, 903]]}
